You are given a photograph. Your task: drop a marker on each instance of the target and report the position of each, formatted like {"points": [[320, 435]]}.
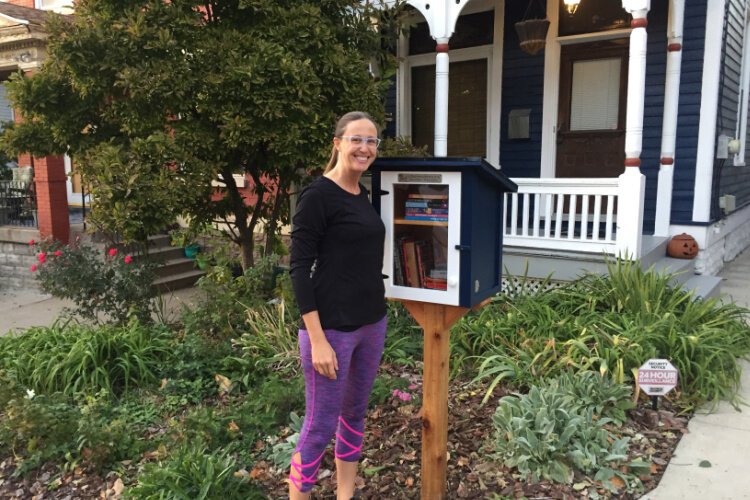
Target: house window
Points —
{"points": [[742, 111], [59, 6], [467, 119], [6, 109], [595, 94]]}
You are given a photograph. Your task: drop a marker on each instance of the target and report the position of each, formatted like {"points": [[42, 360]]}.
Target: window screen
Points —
{"points": [[595, 94]]}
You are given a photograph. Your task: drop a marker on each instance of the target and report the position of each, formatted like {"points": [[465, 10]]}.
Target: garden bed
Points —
{"points": [[390, 467]]}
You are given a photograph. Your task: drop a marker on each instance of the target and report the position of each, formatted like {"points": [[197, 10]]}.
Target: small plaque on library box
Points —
{"points": [[423, 178], [656, 377]]}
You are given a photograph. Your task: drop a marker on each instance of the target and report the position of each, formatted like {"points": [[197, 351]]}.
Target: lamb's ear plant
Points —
{"points": [[551, 432]]}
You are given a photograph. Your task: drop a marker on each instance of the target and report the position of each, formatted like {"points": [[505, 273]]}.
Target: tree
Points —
{"points": [[155, 100]]}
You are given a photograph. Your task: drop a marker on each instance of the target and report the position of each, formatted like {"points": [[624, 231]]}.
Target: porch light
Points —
{"points": [[571, 6]]}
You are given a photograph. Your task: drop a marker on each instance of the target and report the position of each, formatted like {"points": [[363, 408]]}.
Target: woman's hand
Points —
{"points": [[324, 359]]}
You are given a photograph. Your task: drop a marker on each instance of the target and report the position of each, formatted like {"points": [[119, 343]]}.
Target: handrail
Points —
{"points": [[570, 214], [17, 203]]}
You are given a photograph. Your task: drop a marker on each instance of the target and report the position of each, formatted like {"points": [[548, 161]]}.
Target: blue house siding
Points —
{"points": [[653, 115], [729, 179], [522, 88], [691, 79]]}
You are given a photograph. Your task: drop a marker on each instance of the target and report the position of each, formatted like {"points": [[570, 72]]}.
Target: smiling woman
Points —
{"points": [[336, 269]]}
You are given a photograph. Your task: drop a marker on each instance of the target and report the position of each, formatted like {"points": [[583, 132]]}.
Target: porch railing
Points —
{"points": [[581, 215], [17, 204]]}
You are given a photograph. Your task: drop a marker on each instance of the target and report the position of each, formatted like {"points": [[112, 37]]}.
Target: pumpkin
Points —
{"points": [[682, 246]]}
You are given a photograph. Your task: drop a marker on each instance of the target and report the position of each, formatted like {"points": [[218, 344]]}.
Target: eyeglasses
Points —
{"points": [[358, 140]]}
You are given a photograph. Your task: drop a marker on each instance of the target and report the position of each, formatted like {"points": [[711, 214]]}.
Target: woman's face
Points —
{"points": [[356, 148]]}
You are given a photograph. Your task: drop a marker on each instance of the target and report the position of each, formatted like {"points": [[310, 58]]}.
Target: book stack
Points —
{"points": [[426, 207], [414, 265]]}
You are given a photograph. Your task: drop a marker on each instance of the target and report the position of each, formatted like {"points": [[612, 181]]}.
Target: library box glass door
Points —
{"points": [[422, 218]]}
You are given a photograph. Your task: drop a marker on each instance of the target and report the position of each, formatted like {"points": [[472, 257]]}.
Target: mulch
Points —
{"points": [[390, 468]]}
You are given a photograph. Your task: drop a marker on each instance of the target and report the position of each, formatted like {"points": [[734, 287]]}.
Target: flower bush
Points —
{"points": [[104, 288]]}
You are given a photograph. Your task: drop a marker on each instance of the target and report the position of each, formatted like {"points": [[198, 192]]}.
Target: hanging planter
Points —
{"points": [[532, 33]]}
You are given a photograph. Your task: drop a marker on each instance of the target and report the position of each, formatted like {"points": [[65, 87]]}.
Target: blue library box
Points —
{"points": [[443, 228]]}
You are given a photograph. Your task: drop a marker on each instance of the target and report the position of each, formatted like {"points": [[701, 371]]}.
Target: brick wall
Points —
{"points": [[16, 258]]}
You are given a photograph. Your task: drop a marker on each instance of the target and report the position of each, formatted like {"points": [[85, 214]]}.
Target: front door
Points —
{"points": [[591, 114]]}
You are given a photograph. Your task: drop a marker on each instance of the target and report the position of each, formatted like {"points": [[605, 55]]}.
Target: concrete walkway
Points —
{"points": [[712, 461], [24, 309]]}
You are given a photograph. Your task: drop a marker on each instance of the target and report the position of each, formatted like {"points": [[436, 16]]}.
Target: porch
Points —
{"points": [[557, 229]]}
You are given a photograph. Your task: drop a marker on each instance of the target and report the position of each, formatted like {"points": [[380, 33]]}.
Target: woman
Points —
{"points": [[336, 270]]}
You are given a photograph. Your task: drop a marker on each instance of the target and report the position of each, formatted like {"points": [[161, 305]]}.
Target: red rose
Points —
{"points": [[57, 253], [33, 267], [128, 259], [42, 258], [32, 243], [112, 252]]}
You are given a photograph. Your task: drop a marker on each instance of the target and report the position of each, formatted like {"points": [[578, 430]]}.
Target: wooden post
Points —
{"points": [[436, 321]]}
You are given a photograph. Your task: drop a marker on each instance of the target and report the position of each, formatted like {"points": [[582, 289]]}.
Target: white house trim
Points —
{"points": [[741, 130], [496, 79], [14, 19], [704, 164], [551, 91], [494, 85]]}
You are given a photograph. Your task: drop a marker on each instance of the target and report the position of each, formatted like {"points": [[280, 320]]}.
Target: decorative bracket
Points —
{"points": [[441, 16]]}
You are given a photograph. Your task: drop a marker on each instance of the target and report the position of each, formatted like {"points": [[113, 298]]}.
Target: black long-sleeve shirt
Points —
{"points": [[342, 236]]}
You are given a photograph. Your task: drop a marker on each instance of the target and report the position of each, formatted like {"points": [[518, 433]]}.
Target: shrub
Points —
{"points": [[548, 434], [223, 314], [108, 288], [404, 341], [271, 342], [77, 358], [192, 472], [609, 324], [37, 428], [108, 433]]}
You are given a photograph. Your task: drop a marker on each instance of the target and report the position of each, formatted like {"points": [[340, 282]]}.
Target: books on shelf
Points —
{"points": [[415, 262], [414, 265], [421, 196], [426, 207]]}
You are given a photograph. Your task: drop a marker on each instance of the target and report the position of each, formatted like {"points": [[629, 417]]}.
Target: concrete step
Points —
{"points": [[177, 281], [175, 266], [680, 269], [705, 287], [162, 255], [653, 249]]}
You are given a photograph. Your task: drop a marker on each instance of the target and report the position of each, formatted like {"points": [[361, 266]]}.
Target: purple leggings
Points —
{"points": [[337, 407]]}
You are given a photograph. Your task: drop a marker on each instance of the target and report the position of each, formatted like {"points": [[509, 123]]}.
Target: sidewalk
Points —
{"points": [[24, 309], [721, 438]]}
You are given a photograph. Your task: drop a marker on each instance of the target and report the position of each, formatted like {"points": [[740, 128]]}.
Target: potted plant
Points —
{"points": [[185, 237]]}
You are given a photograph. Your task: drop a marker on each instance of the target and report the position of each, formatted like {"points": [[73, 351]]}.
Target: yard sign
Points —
{"points": [[657, 377]]}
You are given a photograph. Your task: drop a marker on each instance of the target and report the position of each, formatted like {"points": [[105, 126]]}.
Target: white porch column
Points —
{"points": [[632, 181], [441, 98], [669, 123], [441, 17]]}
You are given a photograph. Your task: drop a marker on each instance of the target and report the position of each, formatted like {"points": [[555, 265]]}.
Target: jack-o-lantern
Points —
{"points": [[682, 246]]}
